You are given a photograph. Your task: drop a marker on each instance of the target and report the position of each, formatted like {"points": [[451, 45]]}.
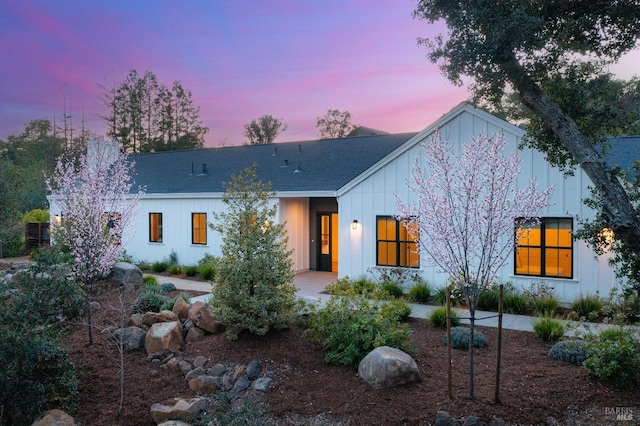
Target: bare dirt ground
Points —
{"points": [[533, 387]]}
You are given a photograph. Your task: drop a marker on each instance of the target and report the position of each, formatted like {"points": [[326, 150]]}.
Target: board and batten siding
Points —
{"points": [[373, 194], [294, 213]]}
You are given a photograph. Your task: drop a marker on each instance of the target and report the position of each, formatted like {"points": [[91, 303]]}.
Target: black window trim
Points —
{"points": [[193, 228], [398, 242], [542, 248], [160, 225]]}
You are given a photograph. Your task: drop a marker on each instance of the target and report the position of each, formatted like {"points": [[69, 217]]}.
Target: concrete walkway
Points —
{"points": [[311, 284]]}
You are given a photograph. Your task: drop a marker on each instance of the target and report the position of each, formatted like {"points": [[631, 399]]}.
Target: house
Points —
{"points": [[337, 199]]}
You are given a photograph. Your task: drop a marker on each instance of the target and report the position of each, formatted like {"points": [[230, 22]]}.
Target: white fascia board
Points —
{"points": [[218, 195]]}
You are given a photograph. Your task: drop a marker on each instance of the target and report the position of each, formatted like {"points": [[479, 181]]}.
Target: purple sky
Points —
{"points": [[291, 59]]}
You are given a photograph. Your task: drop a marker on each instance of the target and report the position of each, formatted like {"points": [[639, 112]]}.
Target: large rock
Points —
{"points": [[126, 273], [386, 367], [165, 337], [181, 309], [55, 418], [202, 318], [177, 409], [132, 338]]}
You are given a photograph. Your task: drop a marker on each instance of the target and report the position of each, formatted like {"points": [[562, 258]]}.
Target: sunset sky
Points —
{"points": [[241, 59]]}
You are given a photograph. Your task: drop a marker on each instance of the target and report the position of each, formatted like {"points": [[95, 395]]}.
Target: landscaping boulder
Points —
{"points": [[132, 338], [181, 309], [177, 409], [55, 418], [205, 384], [126, 273], [202, 318], [165, 337], [386, 367]]}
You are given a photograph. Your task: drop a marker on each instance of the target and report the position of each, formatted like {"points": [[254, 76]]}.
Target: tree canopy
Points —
{"points": [[335, 124], [264, 130]]}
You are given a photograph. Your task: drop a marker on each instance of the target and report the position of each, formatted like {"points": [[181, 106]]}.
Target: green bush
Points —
{"points": [[207, 272], [440, 297], [419, 293], [149, 280], [398, 309], [36, 216], [149, 299], [545, 306], [514, 302], [392, 289], [173, 258], [572, 351], [350, 327], [161, 266], [614, 356], [488, 300], [36, 374], [208, 267], [548, 329], [51, 256], [586, 307], [228, 410], [438, 317], [190, 270], [346, 287], [460, 337], [144, 266], [168, 305], [175, 270]]}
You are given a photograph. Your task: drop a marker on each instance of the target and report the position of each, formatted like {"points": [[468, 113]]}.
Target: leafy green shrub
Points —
{"points": [[51, 256], [149, 299], [398, 309], [545, 306], [438, 317], [207, 272], [460, 337], [36, 216], [350, 327], [144, 266], [440, 297], [208, 267], [190, 270], [614, 356], [622, 306], [514, 302], [168, 305], [586, 307], [36, 374], [572, 351], [161, 266], [419, 293], [548, 329], [346, 286], [393, 289], [228, 410], [175, 270], [173, 258], [149, 280], [488, 300]]}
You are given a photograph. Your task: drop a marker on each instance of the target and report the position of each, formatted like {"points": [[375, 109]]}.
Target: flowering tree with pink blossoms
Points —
{"points": [[93, 195], [467, 210]]}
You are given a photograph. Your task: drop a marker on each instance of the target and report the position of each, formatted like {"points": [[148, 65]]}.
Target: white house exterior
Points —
{"points": [[334, 195]]}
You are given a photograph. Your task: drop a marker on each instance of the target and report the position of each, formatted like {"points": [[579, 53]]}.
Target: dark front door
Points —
{"points": [[328, 242]]}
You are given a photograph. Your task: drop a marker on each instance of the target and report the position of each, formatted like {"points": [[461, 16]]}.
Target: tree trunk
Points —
{"points": [[617, 210], [472, 324]]}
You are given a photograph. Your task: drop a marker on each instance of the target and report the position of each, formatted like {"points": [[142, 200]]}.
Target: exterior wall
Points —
{"points": [[294, 212], [374, 195]]}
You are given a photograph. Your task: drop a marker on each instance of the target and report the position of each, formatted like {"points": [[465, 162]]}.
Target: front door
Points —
{"points": [[328, 242]]}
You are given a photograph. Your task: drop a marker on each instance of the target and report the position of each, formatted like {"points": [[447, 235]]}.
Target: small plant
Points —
{"points": [[173, 258], [171, 302], [514, 302], [545, 306], [393, 289], [440, 297], [488, 300], [548, 329], [149, 280], [419, 293], [125, 257], [572, 351], [586, 307], [161, 266], [346, 286], [175, 270], [614, 356], [438, 317], [149, 299], [397, 309], [460, 337], [144, 266], [190, 270]]}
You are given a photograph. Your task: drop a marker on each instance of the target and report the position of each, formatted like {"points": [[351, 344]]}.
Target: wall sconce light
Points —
{"points": [[56, 219], [354, 224]]}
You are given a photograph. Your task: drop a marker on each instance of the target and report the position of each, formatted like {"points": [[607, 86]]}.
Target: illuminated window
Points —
{"points": [[198, 228], [546, 250], [155, 227], [396, 243]]}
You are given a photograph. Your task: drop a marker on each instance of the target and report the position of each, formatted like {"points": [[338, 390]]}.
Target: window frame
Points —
{"points": [[399, 243], [198, 229], [544, 247], [158, 225]]}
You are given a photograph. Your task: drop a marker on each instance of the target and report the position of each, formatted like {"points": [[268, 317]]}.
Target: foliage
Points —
{"points": [[208, 266], [51, 256], [168, 305], [346, 286], [149, 298], [622, 307], [145, 116], [36, 216], [264, 130], [394, 290], [191, 271], [488, 300], [548, 329], [397, 309], [587, 307], [173, 258], [514, 302], [440, 296], [144, 266], [614, 356], [175, 269], [334, 124], [230, 411], [349, 327], [149, 280], [547, 305], [419, 293], [395, 274], [36, 374], [438, 317], [254, 289], [160, 266], [573, 351], [461, 336]]}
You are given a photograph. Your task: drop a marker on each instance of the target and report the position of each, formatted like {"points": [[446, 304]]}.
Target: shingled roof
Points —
{"points": [[624, 151], [322, 165]]}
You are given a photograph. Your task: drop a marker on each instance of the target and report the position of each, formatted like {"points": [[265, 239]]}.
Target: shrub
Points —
{"points": [[488, 300], [144, 266], [419, 293], [36, 216], [438, 317], [208, 267], [207, 272], [440, 297], [346, 286], [190, 270], [168, 305], [397, 309], [572, 351], [586, 307], [545, 306], [614, 356], [173, 258], [161, 266], [175, 270], [514, 302], [392, 289], [350, 327], [548, 329], [149, 299], [460, 337], [149, 280], [36, 374]]}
